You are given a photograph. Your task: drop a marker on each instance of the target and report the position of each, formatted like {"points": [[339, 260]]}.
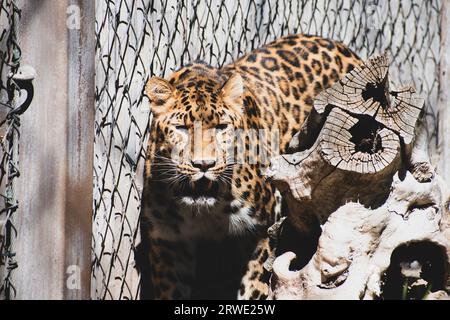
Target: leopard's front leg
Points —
{"points": [[173, 265], [255, 282]]}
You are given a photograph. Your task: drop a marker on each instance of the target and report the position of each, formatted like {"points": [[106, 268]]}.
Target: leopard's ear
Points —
{"points": [[159, 91], [233, 93]]}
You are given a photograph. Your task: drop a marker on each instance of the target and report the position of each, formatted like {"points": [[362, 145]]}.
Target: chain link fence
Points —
{"points": [[142, 38], [9, 143]]}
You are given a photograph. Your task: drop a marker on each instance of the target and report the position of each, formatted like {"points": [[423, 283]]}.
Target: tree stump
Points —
{"points": [[359, 167], [358, 135]]}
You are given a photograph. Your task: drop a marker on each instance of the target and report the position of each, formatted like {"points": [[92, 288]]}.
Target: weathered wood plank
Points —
{"points": [[444, 95], [56, 155], [80, 139]]}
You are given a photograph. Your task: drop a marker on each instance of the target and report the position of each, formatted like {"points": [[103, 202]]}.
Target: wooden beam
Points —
{"points": [[444, 96], [56, 153], [80, 137]]}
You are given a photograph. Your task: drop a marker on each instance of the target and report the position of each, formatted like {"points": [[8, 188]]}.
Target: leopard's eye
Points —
{"points": [[181, 127], [221, 127]]}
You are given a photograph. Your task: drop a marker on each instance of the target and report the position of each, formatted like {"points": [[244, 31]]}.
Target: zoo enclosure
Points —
{"points": [[134, 40], [139, 39]]}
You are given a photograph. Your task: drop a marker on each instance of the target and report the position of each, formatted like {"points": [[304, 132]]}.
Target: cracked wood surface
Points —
{"points": [[359, 134], [365, 91]]}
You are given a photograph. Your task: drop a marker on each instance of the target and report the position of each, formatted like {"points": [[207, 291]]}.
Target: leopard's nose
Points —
{"points": [[203, 165]]}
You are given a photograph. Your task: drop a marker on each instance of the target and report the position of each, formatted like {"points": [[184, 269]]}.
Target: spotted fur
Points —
{"points": [[202, 194]]}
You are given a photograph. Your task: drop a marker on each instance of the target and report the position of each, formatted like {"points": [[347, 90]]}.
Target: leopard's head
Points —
{"points": [[195, 115]]}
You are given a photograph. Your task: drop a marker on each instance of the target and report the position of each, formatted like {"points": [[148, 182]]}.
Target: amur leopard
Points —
{"points": [[203, 187]]}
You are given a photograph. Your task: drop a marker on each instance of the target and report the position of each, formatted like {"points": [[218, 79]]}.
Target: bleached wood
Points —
{"points": [[357, 243], [56, 154], [444, 96]]}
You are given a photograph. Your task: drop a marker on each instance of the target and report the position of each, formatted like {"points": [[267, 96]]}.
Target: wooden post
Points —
{"points": [[444, 96], [56, 152]]}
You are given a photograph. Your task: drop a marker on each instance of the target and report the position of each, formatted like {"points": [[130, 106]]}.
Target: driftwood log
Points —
{"points": [[359, 173], [399, 250]]}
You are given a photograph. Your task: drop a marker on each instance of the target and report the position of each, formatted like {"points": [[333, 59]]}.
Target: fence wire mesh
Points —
{"points": [[9, 143], [138, 39]]}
